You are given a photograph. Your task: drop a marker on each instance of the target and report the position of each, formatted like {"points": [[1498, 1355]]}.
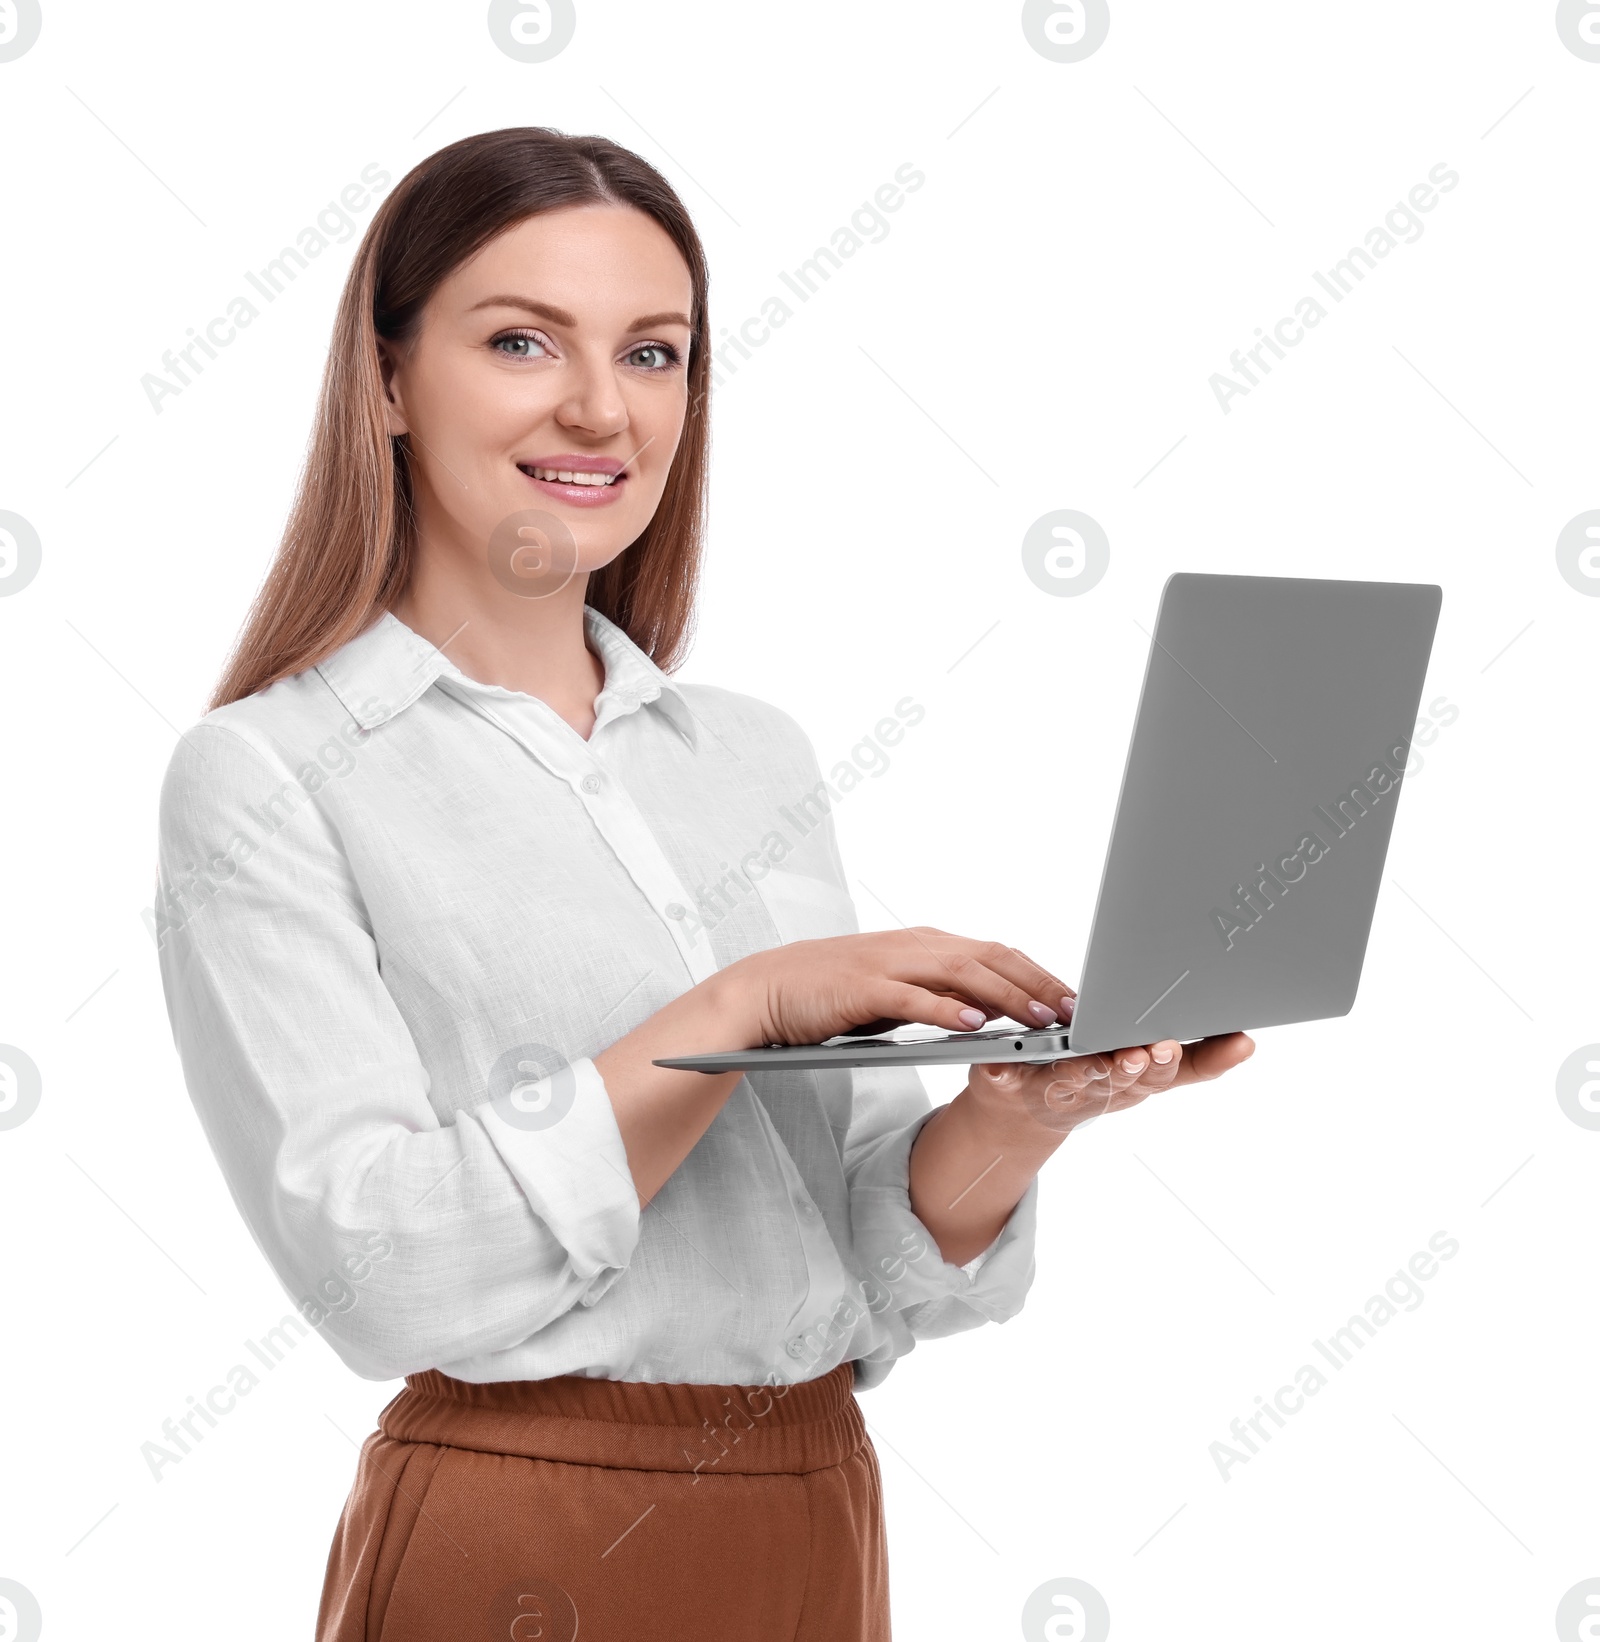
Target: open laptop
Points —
{"points": [[1272, 735]]}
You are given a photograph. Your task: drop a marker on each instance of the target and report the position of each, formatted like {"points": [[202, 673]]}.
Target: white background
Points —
{"points": [[1092, 243]]}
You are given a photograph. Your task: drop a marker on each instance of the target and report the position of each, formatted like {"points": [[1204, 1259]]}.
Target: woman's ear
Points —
{"points": [[394, 409]]}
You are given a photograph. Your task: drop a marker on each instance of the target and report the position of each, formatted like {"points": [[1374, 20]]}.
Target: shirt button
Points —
{"points": [[590, 783], [676, 909], [796, 1348], [806, 1208]]}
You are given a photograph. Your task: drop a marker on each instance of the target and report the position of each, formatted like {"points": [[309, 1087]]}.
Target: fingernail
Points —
{"points": [[1133, 1066], [1041, 1012], [1161, 1056], [972, 1017], [1066, 1008]]}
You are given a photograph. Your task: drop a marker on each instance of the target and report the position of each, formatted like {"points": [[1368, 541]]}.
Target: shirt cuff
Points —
{"points": [[558, 1135], [899, 1254]]}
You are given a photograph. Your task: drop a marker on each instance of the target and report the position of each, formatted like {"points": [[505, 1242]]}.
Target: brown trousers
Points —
{"points": [[615, 1512]]}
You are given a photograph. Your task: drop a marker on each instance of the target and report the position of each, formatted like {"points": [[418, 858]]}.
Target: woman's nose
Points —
{"points": [[595, 404]]}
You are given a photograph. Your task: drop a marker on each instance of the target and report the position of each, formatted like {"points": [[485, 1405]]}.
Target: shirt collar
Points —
{"points": [[382, 671]]}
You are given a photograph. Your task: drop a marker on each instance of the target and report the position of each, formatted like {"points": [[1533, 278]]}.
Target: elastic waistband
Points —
{"points": [[636, 1426]]}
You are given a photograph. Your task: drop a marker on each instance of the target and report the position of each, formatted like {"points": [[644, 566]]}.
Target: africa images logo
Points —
{"points": [[20, 22], [532, 31], [1066, 31], [1065, 553], [1403, 225], [1577, 553], [1253, 899], [20, 1088], [20, 550], [1578, 24], [20, 1619], [1066, 1610]]}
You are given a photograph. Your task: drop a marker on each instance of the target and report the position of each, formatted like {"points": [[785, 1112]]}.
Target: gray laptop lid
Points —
{"points": [[1257, 800]]}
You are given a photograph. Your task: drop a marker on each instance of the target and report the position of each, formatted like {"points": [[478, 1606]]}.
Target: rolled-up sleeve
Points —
{"points": [[468, 1235], [898, 1254]]}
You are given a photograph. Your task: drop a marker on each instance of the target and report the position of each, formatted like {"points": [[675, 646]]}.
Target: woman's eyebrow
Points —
{"points": [[659, 319], [560, 316], [556, 316]]}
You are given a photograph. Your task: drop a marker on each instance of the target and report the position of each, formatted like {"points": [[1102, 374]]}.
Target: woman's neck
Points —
{"points": [[536, 646]]}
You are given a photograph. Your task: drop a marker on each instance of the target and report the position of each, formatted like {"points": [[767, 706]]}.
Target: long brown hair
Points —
{"points": [[350, 541]]}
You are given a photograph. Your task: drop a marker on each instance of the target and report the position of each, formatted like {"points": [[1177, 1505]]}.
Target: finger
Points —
{"points": [[961, 997], [1075, 1091], [1085, 1079], [1058, 1096], [1165, 1063], [1017, 983], [1033, 978], [1080, 1076], [1098, 1084], [1211, 1057], [984, 970], [1128, 1079], [1132, 1074], [906, 1001], [923, 960]]}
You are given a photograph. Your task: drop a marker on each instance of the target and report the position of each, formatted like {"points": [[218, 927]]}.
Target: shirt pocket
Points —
{"points": [[803, 908]]}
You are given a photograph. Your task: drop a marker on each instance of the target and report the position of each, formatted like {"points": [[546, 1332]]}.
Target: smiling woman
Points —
{"points": [[429, 1004], [504, 239], [507, 398]]}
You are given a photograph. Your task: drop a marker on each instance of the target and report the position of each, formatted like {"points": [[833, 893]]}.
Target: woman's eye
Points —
{"points": [[520, 345], [654, 356]]}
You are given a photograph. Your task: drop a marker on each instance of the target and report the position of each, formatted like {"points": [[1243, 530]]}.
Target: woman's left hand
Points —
{"points": [[974, 1158], [1060, 1095]]}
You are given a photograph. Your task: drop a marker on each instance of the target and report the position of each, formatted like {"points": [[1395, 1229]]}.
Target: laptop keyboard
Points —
{"points": [[993, 1035]]}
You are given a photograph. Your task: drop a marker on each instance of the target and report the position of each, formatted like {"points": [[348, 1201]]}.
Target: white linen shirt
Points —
{"points": [[399, 912]]}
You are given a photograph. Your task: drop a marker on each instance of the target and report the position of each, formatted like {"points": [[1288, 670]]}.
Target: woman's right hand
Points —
{"points": [[805, 992], [808, 991]]}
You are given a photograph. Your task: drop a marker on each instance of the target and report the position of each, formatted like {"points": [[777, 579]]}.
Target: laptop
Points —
{"points": [[1268, 752]]}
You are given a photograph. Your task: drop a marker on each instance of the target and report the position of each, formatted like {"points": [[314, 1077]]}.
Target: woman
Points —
{"points": [[448, 867]]}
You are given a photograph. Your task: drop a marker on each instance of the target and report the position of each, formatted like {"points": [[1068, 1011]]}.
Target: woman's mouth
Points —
{"points": [[580, 481]]}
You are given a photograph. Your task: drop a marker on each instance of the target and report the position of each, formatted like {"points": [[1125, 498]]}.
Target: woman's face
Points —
{"points": [[544, 395]]}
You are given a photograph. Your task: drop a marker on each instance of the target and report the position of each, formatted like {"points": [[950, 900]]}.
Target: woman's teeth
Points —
{"points": [[563, 477]]}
